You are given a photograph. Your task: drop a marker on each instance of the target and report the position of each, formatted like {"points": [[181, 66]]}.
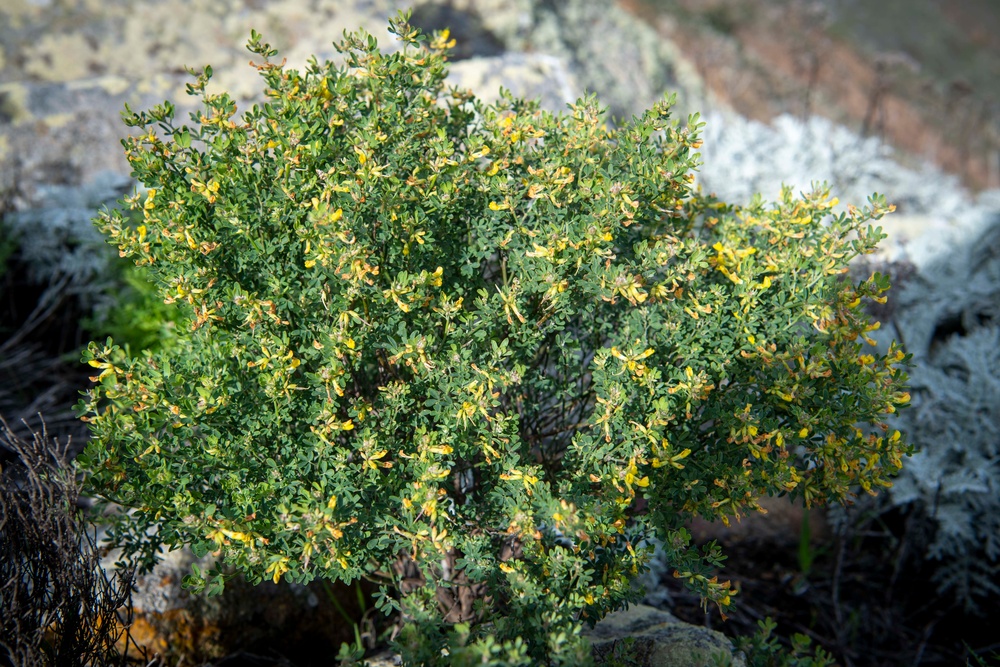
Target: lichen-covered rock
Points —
{"points": [[644, 636], [527, 75], [305, 624], [69, 70], [611, 52]]}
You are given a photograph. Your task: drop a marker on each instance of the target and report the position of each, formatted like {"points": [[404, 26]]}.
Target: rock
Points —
{"points": [[526, 75], [643, 636], [68, 72], [303, 625], [54, 134], [467, 27], [609, 51], [384, 659]]}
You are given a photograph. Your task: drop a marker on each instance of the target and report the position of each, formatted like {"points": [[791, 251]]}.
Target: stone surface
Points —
{"points": [[643, 636], [384, 659], [69, 68], [527, 75], [301, 624]]}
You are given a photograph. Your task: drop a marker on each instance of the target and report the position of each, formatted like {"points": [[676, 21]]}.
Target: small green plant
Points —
{"points": [[764, 650], [8, 244], [136, 317], [622, 654], [476, 354], [806, 552], [979, 660]]}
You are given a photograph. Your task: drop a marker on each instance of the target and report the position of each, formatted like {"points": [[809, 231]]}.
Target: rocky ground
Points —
{"points": [[793, 92]]}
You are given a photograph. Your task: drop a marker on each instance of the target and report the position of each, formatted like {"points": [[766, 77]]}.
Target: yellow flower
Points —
{"points": [[632, 361], [373, 460], [441, 41], [108, 369], [277, 568]]}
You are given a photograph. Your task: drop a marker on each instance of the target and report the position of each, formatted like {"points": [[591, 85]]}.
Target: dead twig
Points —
{"points": [[60, 606]]}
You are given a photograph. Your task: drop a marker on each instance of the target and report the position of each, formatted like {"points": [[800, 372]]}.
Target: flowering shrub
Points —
{"points": [[475, 353]]}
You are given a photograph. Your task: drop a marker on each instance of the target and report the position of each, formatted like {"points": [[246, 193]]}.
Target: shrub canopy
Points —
{"points": [[477, 353]]}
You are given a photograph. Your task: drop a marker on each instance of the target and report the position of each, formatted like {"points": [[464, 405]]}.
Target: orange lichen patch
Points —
{"points": [[178, 633]]}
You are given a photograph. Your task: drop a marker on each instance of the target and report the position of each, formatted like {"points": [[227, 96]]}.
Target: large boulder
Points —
{"points": [[608, 50]]}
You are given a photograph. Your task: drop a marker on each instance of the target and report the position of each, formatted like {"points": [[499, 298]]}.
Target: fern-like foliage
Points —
{"points": [[950, 318], [57, 239]]}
